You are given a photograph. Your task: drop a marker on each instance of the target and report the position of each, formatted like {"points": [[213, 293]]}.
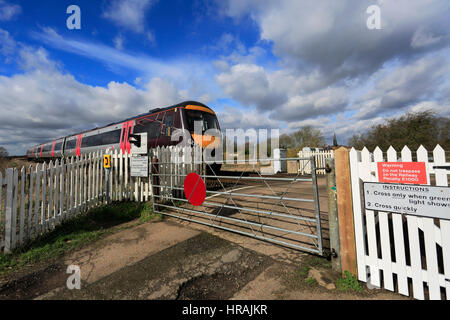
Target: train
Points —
{"points": [[158, 123]]}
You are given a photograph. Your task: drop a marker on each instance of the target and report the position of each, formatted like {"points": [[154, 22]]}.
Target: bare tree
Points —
{"points": [[304, 137], [3, 152]]}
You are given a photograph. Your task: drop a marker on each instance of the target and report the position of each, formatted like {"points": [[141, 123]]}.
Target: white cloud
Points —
{"points": [[146, 65], [327, 101], [119, 41], [333, 36], [329, 60], [422, 38], [403, 86], [236, 118], [7, 43], [248, 84], [9, 11], [129, 14], [44, 102], [289, 96]]}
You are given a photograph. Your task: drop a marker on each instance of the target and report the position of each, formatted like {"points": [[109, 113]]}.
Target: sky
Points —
{"points": [[258, 63]]}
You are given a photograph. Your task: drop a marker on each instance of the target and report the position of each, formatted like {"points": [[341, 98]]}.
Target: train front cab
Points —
{"points": [[207, 118]]}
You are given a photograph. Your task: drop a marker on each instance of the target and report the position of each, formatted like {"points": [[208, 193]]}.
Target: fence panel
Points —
{"points": [[394, 249], [320, 160], [36, 199]]}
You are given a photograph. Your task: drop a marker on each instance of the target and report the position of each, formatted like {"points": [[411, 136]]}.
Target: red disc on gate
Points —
{"points": [[194, 189]]}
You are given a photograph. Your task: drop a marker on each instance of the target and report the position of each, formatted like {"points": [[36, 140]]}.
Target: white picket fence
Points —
{"points": [[388, 245], [321, 160], [35, 200]]}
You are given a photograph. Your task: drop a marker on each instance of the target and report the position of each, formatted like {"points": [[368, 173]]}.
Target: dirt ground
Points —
{"points": [[173, 260]]}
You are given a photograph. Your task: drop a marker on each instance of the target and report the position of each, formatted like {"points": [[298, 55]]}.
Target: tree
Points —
{"points": [[412, 129], [304, 137], [335, 143], [3, 152]]}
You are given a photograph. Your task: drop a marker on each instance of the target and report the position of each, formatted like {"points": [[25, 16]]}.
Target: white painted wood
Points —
{"points": [[77, 187], [14, 237], [414, 247], [37, 208], [370, 225], [399, 243], [9, 210], [320, 157], [431, 258], [72, 189], [55, 213], [84, 184], [62, 169], [30, 203], [44, 197], [357, 210], [415, 252], [22, 206], [386, 262], [442, 180], [364, 168]]}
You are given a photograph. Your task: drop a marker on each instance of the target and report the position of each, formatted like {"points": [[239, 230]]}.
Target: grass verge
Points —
{"points": [[300, 278], [76, 233], [349, 283]]}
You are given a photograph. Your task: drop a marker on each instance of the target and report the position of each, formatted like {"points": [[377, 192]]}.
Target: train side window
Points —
{"points": [[149, 125], [111, 137], [71, 144], [47, 148], [154, 129], [58, 146]]}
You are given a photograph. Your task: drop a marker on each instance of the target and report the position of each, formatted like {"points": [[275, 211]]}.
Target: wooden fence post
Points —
{"points": [[345, 211]]}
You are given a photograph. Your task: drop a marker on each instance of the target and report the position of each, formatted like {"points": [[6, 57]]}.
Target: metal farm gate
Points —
{"points": [[282, 209]]}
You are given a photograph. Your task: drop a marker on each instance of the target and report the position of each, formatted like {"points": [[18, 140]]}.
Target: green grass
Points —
{"points": [[77, 232], [147, 214], [348, 283], [311, 282], [312, 262], [299, 278]]}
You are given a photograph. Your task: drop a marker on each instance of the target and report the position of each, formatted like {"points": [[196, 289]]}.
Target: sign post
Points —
{"points": [[107, 166], [139, 160]]}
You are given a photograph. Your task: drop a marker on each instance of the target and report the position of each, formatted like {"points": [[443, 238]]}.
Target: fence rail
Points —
{"points": [[36, 199]]}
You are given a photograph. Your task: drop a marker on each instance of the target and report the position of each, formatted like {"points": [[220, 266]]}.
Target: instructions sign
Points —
{"points": [[139, 166], [402, 172], [427, 201]]}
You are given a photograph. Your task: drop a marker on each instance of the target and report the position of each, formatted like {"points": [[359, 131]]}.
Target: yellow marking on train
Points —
{"points": [[199, 108], [206, 140]]}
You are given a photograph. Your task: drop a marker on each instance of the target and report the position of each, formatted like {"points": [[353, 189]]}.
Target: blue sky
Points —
{"points": [[262, 64]]}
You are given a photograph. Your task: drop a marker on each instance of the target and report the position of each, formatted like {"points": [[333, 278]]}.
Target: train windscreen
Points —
{"points": [[209, 121]]}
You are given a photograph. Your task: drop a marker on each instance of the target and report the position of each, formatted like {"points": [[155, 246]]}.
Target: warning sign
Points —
{"points": [[427, 201], [402, 172]]}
